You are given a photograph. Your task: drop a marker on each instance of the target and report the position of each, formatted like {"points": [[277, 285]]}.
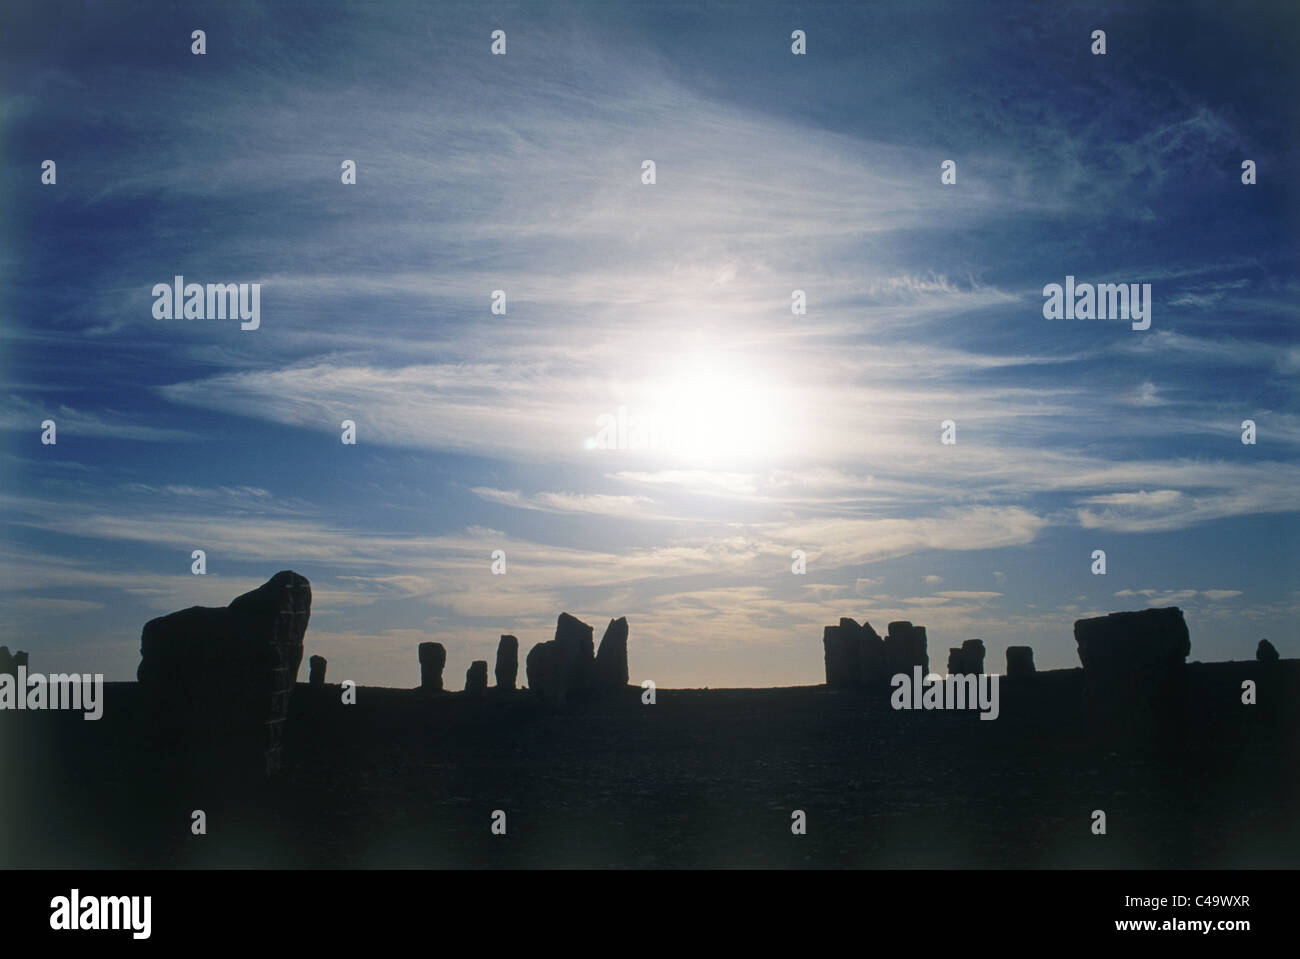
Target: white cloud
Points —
{"points": [[598, 504], [22, 414], [52, 605], [1219, 594]]}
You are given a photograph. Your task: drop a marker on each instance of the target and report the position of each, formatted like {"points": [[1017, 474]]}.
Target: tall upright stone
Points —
{"points": [[7, 664], [871, 655], [562, 669], [1266, 652], [433, 657], [843, 655], [507, 668], [541, 667], [610, 670], [577, 644], [906, 647], [968, 659], [316, 670], [1020, 661], [476, 678], [855, 656], [920, 649], [214, 683], [584, 657]]}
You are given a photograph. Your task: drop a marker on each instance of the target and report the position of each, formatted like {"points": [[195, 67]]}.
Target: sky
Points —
{"points": [[757, 431]]}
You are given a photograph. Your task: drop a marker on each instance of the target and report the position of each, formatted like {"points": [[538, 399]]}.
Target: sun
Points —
{"points": [[719, 409]]}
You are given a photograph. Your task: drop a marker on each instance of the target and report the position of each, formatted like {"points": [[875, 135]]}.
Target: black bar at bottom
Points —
{"points": [[333, 907]]}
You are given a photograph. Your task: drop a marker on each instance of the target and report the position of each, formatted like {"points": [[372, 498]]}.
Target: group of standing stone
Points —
{"points": [[857, 657], [433, 657], [567, 667]]}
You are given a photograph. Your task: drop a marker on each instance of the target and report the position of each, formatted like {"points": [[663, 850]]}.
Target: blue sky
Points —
{"points": [[774, 172]]}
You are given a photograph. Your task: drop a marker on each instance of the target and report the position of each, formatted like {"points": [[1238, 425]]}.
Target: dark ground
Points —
{"points": [[703, 778]]}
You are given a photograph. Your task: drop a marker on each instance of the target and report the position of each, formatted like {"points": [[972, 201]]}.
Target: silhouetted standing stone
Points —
{"points": [[905, 647], [1268, 675], [542, 666], [610, 671], [968, 660], [316, 670], [562, 668], [579, 640], [1148, 641], [476, 678], [20, 659], [1020, 661], [7, 664], [1134, 667], [871, 653], [843, 656], [855, 655], [215, 682], [433, 656], [507, 670]]}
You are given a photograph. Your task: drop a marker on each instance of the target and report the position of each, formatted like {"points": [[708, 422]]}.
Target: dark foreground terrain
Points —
{"points": [[705, 778]]}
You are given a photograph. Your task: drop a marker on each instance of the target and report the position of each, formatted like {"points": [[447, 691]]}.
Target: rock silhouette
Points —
{"points": [[9, 663], [476, 678], [577, 636], [610, 671], [1134, 667], [969, 659], [419, 760], [875, 665], [316, 670], [1150, 641], [507, 669], [1020, 661], [433, 656], [1266, 652], [562, 668], [855, 656], [843, 658], [215, 682], [905, 647]]}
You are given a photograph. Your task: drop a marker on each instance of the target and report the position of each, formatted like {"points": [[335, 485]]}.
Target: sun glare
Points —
{"points": [[719, 411]]}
